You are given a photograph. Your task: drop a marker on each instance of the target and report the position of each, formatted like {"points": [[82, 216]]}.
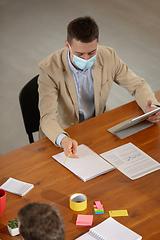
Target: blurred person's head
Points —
{"points": [[39, 221]]}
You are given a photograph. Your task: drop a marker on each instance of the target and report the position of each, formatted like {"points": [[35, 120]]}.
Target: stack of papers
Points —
{"points": [[89, 164], [17, 187]]}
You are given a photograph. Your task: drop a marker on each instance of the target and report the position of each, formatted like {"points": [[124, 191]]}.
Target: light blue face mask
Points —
{"points": [[82, 63]]}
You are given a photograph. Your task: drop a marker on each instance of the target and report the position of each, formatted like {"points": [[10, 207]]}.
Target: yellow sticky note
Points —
{"points": [[118, 213]]}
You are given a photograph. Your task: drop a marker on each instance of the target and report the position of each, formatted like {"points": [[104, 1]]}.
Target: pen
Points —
{"points": [[67, 156]]}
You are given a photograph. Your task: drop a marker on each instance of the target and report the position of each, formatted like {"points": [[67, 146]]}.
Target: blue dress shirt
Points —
{"points": [[83, 80]]}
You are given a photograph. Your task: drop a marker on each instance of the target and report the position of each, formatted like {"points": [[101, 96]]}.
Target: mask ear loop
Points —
{"points": [[70, 48]]}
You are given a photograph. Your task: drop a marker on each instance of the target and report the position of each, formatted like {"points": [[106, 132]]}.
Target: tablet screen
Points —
{"points": [[130, 122]]}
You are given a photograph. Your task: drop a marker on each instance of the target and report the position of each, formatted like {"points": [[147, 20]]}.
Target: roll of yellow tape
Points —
{"points": [[78, 202]]}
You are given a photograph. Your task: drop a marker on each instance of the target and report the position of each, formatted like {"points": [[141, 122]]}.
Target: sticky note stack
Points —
{"points": [[98, 208], [118, 213], [84, 220]]}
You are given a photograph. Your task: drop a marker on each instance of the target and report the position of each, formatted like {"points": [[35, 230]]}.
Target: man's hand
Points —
{"points": [[156, 117], [70, 147]]}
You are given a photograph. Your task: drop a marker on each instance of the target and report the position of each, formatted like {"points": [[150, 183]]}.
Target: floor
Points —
{"points": [[32, 30]]}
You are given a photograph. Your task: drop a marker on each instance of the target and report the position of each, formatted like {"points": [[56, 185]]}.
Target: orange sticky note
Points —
{"points": [[118, 213], [84, 220]]}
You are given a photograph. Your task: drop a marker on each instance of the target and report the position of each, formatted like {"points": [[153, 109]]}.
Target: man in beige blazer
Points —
{"points": [[74, 83]]}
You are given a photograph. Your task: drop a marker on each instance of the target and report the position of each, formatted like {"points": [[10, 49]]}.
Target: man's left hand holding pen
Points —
{"points": [[70, 147]]}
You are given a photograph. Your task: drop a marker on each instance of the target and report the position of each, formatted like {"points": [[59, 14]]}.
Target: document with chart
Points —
{"points": [[131, 161]]}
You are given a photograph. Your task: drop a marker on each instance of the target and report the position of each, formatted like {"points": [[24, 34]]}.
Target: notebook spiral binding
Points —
{"points": [[96, 235]]}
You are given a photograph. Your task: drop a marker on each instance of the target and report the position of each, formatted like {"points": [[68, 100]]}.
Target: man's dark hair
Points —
{"points": [[40, 221], [83, 29]]}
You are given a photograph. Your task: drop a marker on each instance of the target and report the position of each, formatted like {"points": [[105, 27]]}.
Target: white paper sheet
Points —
{"points": [[89, 164], [131, 161], [110, 229], [17, 187]]}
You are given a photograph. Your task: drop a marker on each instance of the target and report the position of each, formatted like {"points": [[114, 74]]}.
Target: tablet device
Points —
{"points": [[132, 121]]}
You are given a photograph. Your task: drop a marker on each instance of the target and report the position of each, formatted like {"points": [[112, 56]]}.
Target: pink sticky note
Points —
{"points": [[99, 205], [84, 220]]}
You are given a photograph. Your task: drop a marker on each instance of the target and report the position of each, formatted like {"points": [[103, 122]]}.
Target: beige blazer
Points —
{"points": [[58, 101]]}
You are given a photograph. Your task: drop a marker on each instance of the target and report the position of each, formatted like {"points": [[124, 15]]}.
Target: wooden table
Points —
{"points": [[54, 183]]}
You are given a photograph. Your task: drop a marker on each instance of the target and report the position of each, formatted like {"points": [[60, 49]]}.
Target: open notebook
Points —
{"points": [[89, 164], [110, 229]]}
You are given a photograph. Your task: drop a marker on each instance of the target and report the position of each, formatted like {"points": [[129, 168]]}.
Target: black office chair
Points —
{"points": [[28, 98]]}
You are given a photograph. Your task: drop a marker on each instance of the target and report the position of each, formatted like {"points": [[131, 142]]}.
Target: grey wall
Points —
{"points": [[31, 30]]}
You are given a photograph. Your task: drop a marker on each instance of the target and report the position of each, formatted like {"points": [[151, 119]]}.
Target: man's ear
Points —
{"points": [[67, 44]]}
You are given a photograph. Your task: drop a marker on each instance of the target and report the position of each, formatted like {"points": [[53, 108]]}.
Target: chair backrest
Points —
{"points": [[28, 98]]}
